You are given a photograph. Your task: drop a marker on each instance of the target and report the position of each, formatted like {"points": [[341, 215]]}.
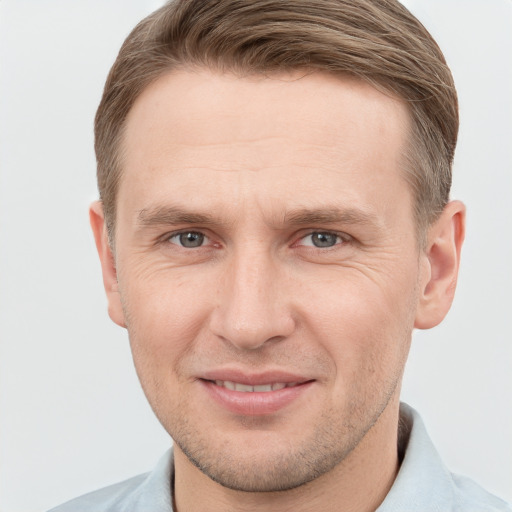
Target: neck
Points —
{"points": [[358, 484]]}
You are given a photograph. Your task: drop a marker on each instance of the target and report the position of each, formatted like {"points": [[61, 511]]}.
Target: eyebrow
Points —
{"points": [[158, 216], [332, 215], [172, 215]]}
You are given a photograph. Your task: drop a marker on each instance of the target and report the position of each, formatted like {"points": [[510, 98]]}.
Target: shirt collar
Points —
{"points": [[423, 482]]}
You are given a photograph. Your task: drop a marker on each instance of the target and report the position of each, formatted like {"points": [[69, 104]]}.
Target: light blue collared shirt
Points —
{"points": [[423, 484]]}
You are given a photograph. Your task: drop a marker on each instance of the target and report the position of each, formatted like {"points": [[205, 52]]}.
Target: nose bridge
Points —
{"points": [[253, 308]]}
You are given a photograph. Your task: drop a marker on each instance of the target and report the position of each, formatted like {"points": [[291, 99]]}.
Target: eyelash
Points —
{"points": [[170, 236], [341, 238]]}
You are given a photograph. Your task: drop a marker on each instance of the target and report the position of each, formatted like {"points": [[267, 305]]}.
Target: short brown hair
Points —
{"points": [[378, 41]]}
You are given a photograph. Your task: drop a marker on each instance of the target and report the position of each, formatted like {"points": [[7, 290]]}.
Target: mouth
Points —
{"points": [[262, 395], [260, 388]]}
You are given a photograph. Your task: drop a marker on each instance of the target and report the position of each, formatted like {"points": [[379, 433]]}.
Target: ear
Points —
{"points": [[108, 265], [440, 262]]}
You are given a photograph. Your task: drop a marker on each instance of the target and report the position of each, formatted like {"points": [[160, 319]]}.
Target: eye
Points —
{"points": [[321, 239], [188, 239]]}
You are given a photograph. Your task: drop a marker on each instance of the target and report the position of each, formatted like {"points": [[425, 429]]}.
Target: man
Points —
{"points": [[274, 220]]}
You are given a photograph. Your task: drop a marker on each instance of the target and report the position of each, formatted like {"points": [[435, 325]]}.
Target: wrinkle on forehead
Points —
{"points": [[291, 145], [208, 109]]}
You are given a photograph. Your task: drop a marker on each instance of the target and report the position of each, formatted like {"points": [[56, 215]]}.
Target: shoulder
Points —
{"points": [[115, 497], [425, 483], [143, 493], [471, 497]]}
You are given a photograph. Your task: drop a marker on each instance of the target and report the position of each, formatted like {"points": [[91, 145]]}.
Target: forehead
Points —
{"points": [[281, 137]]}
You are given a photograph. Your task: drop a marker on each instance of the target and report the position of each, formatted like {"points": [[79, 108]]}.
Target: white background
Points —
{"points": [[72, 415]]}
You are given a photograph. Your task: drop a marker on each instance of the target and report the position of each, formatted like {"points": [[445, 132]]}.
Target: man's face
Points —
{"points": [[265, 237]]}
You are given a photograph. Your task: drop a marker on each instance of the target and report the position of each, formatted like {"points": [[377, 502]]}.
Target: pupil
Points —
{"points": [[191, 239], [324, 239]]}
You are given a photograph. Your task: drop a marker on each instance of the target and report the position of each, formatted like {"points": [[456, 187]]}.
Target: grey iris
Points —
{"points": [[323, 239], [191, 239]]}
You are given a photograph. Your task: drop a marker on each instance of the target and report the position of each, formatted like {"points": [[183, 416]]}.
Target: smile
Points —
{"points": [[260, 397], [262, 388]]}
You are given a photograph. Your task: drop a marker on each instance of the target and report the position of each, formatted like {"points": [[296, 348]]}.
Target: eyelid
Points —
{"points": [[343, 237], [166, 239]]}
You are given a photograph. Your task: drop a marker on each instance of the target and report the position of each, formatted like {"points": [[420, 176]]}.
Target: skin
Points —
{"points": [[257, 166]]}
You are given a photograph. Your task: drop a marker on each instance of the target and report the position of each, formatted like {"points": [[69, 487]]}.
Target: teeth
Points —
{"points": [[243, 387], [262, 388]]}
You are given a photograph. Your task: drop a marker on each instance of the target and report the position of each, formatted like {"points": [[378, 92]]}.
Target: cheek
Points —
{"points": [[365, 324], [165, 316]]}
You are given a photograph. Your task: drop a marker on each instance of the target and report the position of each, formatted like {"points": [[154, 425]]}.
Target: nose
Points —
{"points": [[253, 305]]}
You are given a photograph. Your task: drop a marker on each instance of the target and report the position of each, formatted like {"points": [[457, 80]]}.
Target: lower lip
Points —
{"points": [[254, 403]]}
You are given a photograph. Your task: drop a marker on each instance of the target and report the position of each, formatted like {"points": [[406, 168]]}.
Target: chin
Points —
{"points": [[266, 473], [268, 462]]}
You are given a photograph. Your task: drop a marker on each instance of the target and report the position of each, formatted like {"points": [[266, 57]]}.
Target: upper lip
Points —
{"points": [[253, 378]]}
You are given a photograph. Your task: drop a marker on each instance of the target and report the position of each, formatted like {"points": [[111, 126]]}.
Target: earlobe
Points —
{"points": [[440, 262], [107, 260]]}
